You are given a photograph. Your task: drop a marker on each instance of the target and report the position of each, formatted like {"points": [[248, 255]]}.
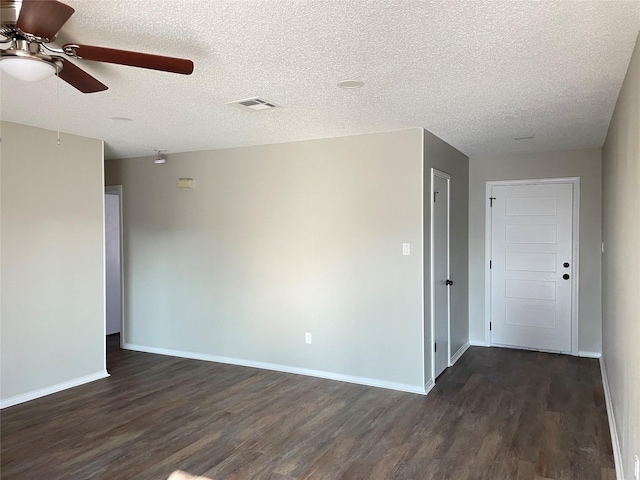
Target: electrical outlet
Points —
{"points": [[636, 469], [307, 337]]}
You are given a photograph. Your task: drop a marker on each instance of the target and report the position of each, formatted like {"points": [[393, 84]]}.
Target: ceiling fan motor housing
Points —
{"points": [[9, 11]]}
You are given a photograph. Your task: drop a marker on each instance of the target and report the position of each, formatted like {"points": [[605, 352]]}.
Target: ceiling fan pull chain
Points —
{"points": [[58, 101]]}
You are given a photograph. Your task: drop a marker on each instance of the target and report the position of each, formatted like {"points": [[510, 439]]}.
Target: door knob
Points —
{"points": [[565, 264], [565, 276], [448, 282]]}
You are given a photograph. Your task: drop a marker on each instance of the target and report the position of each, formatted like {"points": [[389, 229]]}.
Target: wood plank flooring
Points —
{"points": [[497, 414]]}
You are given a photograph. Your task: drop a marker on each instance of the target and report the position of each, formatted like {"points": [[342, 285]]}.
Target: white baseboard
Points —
{"points": [[617, 458], [371, 382], [456, 356], [589, 354], [25, 397], [429, 386], [477, 343]]}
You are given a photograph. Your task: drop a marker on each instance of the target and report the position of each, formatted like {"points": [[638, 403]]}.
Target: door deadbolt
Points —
{"points": [[565, 276], [565, 264]]}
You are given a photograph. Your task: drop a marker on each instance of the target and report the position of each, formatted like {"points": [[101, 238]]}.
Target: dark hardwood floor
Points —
{"points": [[497, 414]]}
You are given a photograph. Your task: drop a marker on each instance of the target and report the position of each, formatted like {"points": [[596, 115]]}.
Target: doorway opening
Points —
{"points": [[113, 262]]}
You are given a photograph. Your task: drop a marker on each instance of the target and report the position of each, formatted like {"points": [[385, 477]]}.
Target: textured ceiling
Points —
{"points": [[476, 73]]}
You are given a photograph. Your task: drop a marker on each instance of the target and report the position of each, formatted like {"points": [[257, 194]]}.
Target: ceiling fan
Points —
{"points": [[28, 26]]}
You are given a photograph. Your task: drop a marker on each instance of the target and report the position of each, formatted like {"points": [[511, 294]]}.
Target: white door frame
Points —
{"points": [[447, 177], [575, 181], [116, 190]]}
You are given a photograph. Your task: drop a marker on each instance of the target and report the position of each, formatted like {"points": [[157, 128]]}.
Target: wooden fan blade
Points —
{"points": [[78, 78], [43, 18], [133, 59]]}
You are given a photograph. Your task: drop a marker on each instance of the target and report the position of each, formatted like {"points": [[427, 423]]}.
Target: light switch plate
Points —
{"points": [[406, 249]]}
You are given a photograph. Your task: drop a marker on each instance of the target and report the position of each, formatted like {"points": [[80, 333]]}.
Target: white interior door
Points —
{"points": [[532, 266], [440, 268]]}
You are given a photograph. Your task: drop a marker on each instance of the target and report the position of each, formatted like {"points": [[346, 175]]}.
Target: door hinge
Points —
{"points": [[435, 347], [489, 326], [489, 264], [491, 199]]}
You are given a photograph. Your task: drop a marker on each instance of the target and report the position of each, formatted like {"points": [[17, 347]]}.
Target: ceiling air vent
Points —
{"points": [[253, 104]]}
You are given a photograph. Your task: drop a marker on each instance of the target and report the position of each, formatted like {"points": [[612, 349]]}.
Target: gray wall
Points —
{"points": [[276, 241], [621, 264], [442, 156], [585, 164], [52, 262]]}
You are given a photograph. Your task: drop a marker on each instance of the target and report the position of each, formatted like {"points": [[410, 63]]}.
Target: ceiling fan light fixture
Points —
{"points": [[29, 69]]}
